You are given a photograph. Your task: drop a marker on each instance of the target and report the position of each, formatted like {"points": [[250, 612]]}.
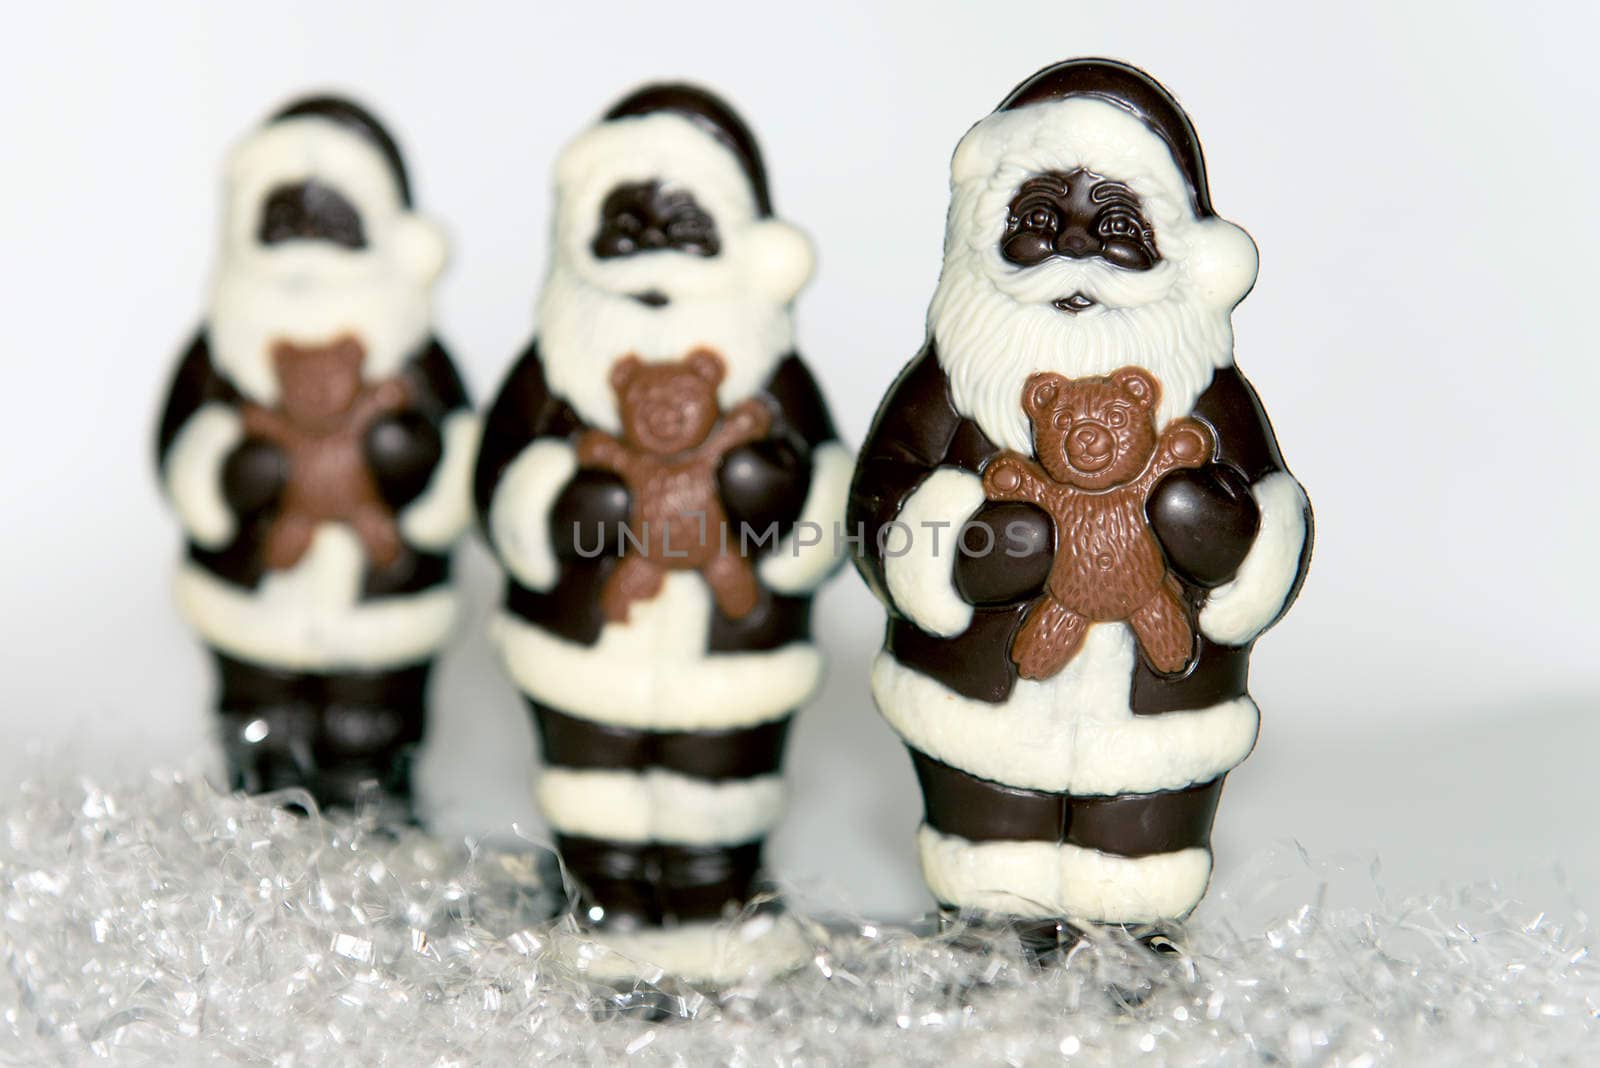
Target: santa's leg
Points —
{"points": [[1051, 861], [370, 728], [663, 833], [587, 794], [269, 724], [733, 798]]}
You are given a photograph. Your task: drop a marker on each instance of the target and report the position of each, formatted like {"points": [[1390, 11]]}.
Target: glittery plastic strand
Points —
{"points": [[161, 922]]}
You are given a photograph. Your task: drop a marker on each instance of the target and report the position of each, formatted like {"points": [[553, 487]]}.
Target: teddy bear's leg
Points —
{"points": [[637, 578], [288, 540], [1164, 631], [733, 584], [1047, 639], [375, 526]]}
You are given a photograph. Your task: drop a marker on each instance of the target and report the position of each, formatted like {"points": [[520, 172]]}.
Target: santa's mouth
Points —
{"points": [[651, 298], [1074, 304]]}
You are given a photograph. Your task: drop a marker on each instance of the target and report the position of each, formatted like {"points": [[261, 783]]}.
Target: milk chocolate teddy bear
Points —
{"points": [[1099, 457], [323, 415], [671, 445]]}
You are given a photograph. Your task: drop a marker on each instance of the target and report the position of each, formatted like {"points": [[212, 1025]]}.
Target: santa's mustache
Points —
{"points": [[1114, 287]]}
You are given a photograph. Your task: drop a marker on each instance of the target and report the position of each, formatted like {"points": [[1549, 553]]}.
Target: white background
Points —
{"points": [[1422, 185]]}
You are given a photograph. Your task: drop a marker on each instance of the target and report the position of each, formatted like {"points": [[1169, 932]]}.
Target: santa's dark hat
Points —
{"points": [[1135, 92], [358, 120], [712, 114]]}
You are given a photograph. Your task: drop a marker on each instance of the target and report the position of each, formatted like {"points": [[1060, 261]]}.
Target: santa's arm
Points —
{"points": [[916, 487], [532, 498], [209, 470], [421, 455], [794, 480], [1240, 525]]}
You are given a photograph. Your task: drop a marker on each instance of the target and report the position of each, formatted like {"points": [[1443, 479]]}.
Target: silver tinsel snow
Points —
{"points": [[164, 923]]}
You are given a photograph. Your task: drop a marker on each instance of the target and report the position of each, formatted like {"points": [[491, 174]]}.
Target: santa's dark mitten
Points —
{"points": [[589, 516], [1004, 554], [254, 475], [403, 451], [762, 484], [1206, 520]]}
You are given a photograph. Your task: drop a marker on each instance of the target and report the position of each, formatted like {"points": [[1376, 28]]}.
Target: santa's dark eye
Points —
{"points": [[1041, 219]]}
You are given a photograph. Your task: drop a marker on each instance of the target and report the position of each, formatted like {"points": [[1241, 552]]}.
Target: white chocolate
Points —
{"points": [[795, 567], [193, 474], [1072, 733], [659, 806], [1240, 610], [921, 580], [1046, 880], [443, 511], [519, 511], [311, 617], [653, 671]]}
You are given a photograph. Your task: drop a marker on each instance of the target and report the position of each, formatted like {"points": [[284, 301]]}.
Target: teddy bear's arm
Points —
{"points": [[269, 424], [1185, 443], [745, 422], [600, 450], [380, 399], [1011, 476]]}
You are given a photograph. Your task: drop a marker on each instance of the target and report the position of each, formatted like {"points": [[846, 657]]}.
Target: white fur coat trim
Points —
{"points": [[653, 672], [1044, 880], [1072, 733]]}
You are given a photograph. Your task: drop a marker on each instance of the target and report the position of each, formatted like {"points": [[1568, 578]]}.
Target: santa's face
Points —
{"points": [[1073, 247], [661, 250], [318, 245]]}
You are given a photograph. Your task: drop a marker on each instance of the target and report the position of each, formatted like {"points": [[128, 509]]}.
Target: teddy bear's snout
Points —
{"points": [[1090, 446]]}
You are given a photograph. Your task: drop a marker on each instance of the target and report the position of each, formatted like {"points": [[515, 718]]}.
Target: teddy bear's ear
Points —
{"points": [[622, 372], [1139, 384], [706, 364], [1041, 392]]}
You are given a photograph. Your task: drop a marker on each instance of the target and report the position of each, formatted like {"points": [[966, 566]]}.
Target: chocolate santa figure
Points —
{"points": [[1077, 514], [316, 445], [662, 482]]}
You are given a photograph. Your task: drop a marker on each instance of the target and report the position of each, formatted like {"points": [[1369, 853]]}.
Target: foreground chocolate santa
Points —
{"points": [[1070, 676], [317, 447], [661, 404]]}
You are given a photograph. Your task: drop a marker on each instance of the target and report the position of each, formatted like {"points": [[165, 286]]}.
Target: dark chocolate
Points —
{"points": [[1127, 825], [1077, 215], [336, 735], [310, 211], [711, 113], [359, 120], [1131, 89], [651, 884], [640, 217], [574, 742]]}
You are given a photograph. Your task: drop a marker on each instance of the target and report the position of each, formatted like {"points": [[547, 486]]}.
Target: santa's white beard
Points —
{"points": [[583, 330], [989, 341], [311, 296]]}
